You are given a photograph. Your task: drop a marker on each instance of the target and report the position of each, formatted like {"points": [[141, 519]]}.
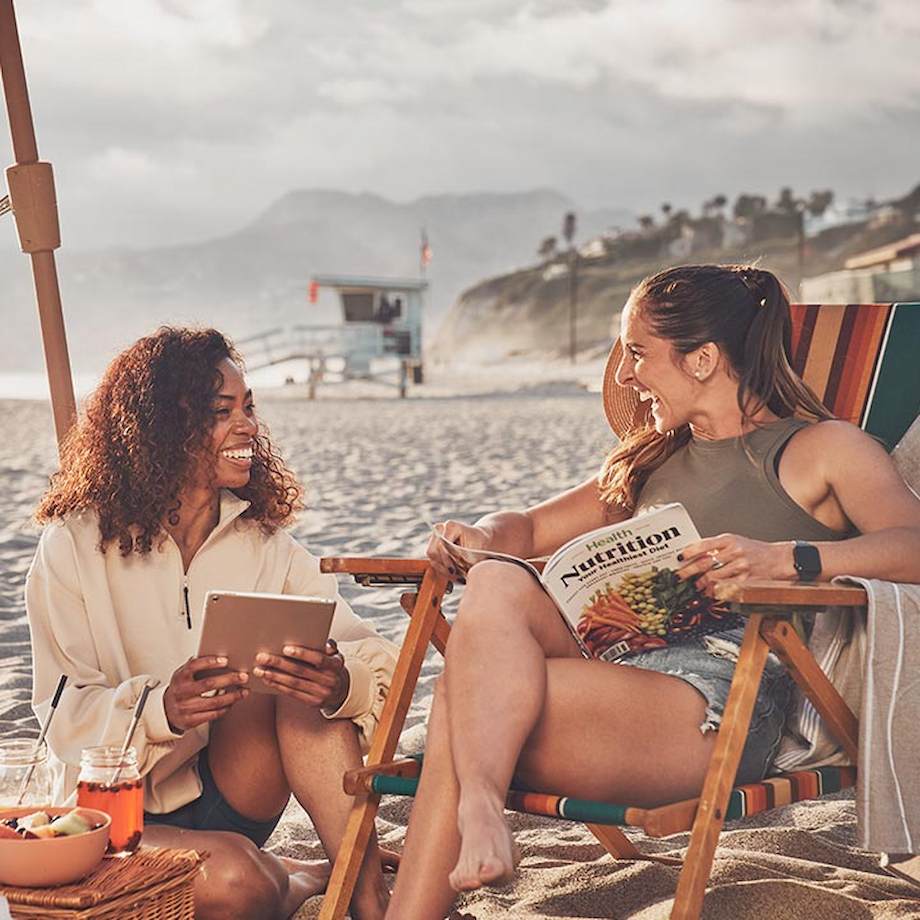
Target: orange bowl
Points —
{"points": [[52, 860]]}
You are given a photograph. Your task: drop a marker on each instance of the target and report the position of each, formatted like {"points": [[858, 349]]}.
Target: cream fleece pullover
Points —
{"points": [[112, 623]]}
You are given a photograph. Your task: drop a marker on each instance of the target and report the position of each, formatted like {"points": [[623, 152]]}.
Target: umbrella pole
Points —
{"points": [[31, 186]]}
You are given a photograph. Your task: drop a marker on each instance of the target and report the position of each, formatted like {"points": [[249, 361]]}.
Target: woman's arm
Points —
{"points": [[543, 528], [874, 497], [91, 710], [849, 468]]}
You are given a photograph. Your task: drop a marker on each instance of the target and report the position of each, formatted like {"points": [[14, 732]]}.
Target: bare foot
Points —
{"points": [[305, 879], [389, 859], [487, 852]]}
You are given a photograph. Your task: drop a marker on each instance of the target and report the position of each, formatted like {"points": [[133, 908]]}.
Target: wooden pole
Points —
{"points": [[31, 186]]}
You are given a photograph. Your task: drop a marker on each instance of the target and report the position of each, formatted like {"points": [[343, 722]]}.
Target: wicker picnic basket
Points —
{"points": [[152, 884]]}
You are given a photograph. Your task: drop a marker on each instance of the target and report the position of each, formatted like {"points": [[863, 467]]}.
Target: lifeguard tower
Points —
{"points": [[382, 317], [380, 333]]}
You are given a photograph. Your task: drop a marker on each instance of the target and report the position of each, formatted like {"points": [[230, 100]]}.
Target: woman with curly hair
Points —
{"points": [[169, 488]]}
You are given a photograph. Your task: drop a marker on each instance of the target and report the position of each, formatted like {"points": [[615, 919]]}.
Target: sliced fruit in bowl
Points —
{"points": [[53, 846]]}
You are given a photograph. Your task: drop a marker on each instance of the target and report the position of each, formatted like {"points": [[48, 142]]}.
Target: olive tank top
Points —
{"points": [[731, 486]]}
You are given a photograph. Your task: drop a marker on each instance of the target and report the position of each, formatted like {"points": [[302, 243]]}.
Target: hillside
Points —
{"points": [[255, 278], [527, 311]]}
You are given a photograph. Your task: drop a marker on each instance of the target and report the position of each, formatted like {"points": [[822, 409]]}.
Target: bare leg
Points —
{"points": [[433, 841], [502, 612], [315, 752], [240, 880], [289, 748], [507, 701]]}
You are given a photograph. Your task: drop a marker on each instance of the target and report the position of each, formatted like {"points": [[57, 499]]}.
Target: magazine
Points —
{"points": [[617, 588]]}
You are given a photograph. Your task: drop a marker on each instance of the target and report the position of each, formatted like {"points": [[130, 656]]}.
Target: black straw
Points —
{"points": [[41, 738]]}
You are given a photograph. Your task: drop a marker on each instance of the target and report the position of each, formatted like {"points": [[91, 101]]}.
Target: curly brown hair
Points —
{"points": [[143, 432]]}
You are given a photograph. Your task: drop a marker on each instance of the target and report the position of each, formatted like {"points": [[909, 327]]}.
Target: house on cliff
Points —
{"points": [[886, 273]]}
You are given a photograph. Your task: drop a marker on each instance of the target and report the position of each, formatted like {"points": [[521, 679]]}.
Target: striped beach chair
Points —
{"points": [[863, 360]]}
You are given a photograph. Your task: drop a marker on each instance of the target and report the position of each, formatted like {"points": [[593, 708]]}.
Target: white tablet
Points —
{"points": [[238, 625]]}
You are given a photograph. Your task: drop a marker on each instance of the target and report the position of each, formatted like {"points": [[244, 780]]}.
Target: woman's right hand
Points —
{"points": [[467, 535], [186, 706]]}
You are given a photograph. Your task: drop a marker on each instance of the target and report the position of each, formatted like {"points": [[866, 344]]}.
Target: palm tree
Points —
{"points": [[547, 250]]}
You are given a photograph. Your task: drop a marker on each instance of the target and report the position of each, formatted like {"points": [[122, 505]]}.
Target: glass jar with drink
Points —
{"points": [[25, 779], [111, 782]]}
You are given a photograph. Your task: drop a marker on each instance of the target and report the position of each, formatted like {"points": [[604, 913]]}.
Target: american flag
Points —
{"points": [[425, 249]]}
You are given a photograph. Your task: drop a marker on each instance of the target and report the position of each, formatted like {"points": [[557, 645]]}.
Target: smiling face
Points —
{"points": [[659, 373], [234, 429]]}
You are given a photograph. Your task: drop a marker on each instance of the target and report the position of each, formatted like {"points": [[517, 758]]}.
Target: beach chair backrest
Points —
{"points": [[863, 360]]}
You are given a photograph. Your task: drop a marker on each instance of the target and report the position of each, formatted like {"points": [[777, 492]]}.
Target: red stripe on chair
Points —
{"points": [[755, 798], [842, 356], [883, 319], [534, 803], [865, 351], [806, 784], [849, 400]]}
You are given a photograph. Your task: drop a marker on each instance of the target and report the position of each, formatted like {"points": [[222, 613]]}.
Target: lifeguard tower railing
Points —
{"points": [[381, 319]]}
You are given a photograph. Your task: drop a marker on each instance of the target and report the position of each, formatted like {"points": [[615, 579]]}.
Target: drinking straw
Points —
{"points": [[41, 739], [138, 710]]}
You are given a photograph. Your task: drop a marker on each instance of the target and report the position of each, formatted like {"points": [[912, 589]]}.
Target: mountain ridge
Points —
{"points": [[255, 276]]}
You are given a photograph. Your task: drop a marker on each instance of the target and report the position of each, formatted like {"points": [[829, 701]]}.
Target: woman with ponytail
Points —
{"points": [[723, 425]]}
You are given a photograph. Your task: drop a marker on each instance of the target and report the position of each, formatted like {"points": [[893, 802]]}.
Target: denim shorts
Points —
{"points": [[708, 664], [212, 812]]}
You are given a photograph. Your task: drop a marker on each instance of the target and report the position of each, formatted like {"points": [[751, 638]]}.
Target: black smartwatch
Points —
{"points": [[807, 560]]}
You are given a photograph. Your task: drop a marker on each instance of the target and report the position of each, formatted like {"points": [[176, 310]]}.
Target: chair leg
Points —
{"points": [[361, 820], [615, 842], [350, 858], [710, 815], [619, 846]]}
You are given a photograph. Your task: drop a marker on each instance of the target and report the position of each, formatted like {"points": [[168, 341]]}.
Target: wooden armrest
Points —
{"points": [[380, 570], [372, 565], [784, 594]]}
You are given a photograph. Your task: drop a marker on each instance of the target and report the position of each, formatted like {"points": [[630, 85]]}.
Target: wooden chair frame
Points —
{"points": [[767, 607]]}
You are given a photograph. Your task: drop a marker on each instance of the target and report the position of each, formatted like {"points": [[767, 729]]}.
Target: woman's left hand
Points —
{"points": [[305, 674], [729, 557]]}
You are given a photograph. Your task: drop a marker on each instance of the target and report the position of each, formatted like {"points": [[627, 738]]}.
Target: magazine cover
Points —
{"points": [[619, 588]]}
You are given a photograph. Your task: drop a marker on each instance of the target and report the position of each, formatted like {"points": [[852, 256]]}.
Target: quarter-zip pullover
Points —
{"points": [[112, 623]]}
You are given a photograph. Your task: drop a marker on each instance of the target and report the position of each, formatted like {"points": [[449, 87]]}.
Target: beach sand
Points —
{"points": [[377, 469]]}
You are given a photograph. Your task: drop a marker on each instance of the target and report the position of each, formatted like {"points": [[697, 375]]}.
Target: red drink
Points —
{"points": [[110, 782], [125, 803]]}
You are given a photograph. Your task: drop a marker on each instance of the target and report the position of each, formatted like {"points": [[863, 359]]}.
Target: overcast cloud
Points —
{"points": [[179, 119]]}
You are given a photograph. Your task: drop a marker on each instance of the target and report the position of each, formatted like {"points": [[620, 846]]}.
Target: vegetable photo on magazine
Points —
{"points": [[617, 587]]}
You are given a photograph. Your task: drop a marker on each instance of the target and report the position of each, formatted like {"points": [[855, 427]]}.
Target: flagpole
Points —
{"points": [[32, 196]]}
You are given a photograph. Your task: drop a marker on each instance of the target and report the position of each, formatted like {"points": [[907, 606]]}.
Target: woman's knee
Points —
{"points": [[236, 882], [492, 584]]}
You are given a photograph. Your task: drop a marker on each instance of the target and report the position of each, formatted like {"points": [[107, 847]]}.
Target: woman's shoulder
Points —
{"points": [[831, 435], [837, 444], [77, 528]]}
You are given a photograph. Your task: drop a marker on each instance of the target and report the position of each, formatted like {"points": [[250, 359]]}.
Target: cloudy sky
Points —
{"points": [[171, 120]]}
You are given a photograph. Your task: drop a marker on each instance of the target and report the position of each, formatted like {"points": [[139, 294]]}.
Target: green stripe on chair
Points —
{"points": [[745, 800], [898, 379], [394, 785]]}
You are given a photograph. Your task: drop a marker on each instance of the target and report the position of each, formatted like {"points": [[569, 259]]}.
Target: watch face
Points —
{"points": [[807, 561]]}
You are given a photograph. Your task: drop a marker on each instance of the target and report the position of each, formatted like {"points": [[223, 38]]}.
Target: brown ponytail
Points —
{"points": [[745, 311]]}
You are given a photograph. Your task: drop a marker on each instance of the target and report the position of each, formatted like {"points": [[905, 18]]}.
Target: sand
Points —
{"points": [[373, 482]]}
